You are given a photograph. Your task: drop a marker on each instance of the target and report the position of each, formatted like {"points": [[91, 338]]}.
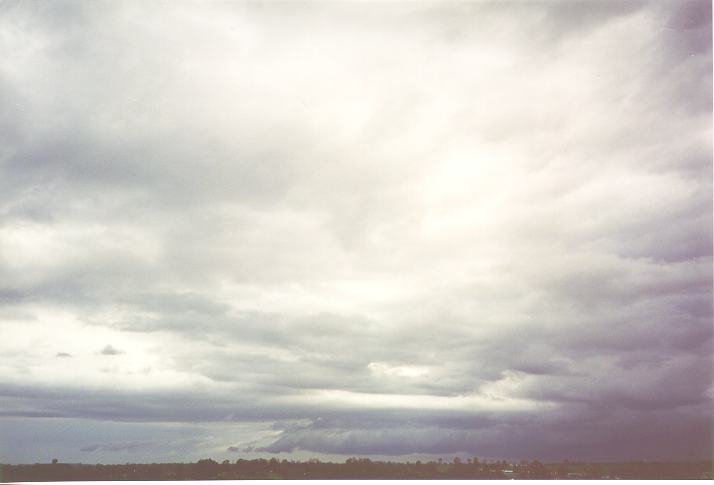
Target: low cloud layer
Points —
{"points": [[326, 230]]}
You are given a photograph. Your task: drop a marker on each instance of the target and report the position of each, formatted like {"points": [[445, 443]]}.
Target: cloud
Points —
{"points": [[118, 447], [477, 228], [109, 350], [237, 449], [572, 437]]}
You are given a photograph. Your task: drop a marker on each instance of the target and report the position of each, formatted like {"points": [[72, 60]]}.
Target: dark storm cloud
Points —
{"points": [[567, 437], [279, 216]]}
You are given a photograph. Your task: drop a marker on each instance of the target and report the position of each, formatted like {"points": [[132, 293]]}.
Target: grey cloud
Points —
{"points": [[572, 438], [120, 447], [694, 19], [141, 407], [109, 350], [238, 449], [383, 442], [562, 21]]}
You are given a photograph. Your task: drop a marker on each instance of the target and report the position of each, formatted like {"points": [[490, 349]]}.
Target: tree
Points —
{"points": [[537, 470]]}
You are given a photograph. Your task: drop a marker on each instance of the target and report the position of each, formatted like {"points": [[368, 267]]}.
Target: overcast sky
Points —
{"points": [[394, 230]]}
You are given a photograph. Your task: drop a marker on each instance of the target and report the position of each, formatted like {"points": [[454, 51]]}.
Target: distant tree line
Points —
{"points": [[354, 468]]}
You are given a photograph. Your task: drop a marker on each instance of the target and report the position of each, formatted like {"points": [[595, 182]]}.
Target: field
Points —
{"points": [[355, 468]]}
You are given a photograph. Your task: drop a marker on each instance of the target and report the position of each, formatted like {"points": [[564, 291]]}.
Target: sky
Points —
{"points": [[395, 230]]}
